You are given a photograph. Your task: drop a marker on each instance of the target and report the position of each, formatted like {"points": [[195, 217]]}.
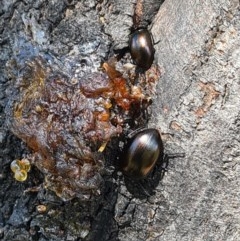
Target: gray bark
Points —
{"points": [[198, 102], [196, 109]]}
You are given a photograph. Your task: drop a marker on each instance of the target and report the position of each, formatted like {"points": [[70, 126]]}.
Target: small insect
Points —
{"points": [[141, 153], [141, 48]]}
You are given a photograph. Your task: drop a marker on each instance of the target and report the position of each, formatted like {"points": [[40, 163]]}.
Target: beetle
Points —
{"points": [[141, 48], [141, 153]]}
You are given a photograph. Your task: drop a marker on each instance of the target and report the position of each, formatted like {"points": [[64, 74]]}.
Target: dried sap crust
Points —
{"points": [[65, 121]]}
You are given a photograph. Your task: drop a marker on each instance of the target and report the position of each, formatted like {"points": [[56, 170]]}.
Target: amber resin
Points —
{"points": [[67, 122], [20, 168]]}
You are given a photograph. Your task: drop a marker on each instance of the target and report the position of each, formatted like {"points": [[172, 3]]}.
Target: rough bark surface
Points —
{"points": [[196, 109], [198, 102]]}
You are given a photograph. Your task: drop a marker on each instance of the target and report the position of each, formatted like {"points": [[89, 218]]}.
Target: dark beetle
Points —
{"points": [[141, 48], [141, 153]]}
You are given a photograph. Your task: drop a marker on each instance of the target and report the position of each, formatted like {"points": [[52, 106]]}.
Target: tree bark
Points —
{"points": [[196, 109]]}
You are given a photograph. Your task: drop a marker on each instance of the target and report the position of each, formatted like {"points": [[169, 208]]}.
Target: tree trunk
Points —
{"points": [[196, 109]]}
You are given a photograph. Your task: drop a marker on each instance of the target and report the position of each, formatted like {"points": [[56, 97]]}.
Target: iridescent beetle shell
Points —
{"points": [[141, 48], [141, 153]]}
